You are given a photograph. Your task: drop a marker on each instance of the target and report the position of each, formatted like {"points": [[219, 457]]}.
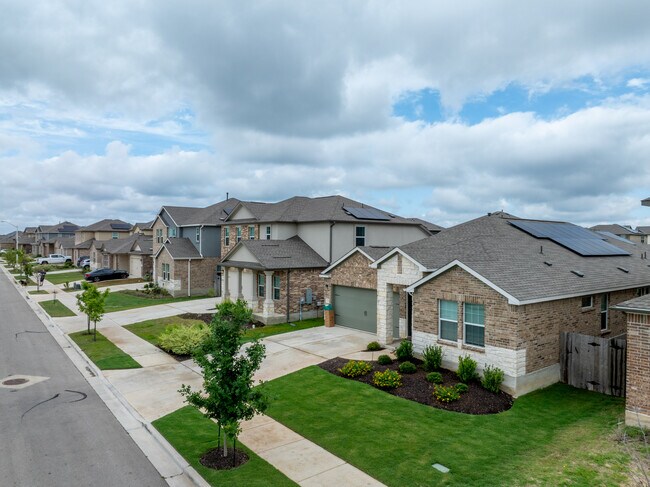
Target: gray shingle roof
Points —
{"points": [[432, 227], [211, 215], [640, 304], [144, 225], [105, 225], [65, 227], [85, 244], [515, 261], [643, 230], [645, 202], [66, 243], [375, 252], [614, 228], [124, 245], [293, 253], [181, 248]]}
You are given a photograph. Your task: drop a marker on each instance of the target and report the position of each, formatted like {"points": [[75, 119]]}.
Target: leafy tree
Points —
{"points": [[10, 257], [91, 302], [228, 396], [26, 264]]}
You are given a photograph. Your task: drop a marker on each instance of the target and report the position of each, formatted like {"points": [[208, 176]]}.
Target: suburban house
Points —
{"points": [[623, 231], [26, 241], [187, 248], [275, 252], [64, 246], [145, 228], [498, 288], [46, 236], [643, 234], [107, 229], [132, 254]]}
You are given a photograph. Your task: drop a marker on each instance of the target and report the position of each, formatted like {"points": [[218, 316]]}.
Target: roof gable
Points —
{"points": [[370, 253]]}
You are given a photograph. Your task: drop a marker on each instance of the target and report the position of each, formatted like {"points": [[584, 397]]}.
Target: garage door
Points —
{"points": [[135, 267], [355, 308]]}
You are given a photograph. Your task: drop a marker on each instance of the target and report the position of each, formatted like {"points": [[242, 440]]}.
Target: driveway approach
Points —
{"points": [[54, 429]]}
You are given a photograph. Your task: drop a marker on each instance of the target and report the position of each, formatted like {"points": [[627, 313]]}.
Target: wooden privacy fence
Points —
{"points": [[593, 363]]}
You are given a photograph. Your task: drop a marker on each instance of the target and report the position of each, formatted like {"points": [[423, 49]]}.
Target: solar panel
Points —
{"points": [[67, 228], [577, 239], [120, 226], [366, 213]]}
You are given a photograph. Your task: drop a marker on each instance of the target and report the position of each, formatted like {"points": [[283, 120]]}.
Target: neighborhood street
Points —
{"points": [[55, 430]]}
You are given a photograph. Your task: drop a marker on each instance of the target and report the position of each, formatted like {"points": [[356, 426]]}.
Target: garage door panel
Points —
{"points": [[355, 308]]}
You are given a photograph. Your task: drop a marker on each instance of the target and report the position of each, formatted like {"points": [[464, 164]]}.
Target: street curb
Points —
{"points": [[104, 388]]}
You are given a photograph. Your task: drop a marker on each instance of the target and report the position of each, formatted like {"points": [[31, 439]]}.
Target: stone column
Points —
{"points": [[240, 294], [269, 306], [226, 284], [253, 302], [384, 313]]}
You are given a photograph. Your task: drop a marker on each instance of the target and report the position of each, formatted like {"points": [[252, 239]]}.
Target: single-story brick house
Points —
{"points": [[132, 254], [502, 289]]}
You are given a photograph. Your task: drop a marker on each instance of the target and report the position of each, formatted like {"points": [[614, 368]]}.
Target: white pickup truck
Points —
{"points": [[54, 259]]}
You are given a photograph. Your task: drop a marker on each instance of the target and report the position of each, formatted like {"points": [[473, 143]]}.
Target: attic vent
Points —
{"points": [[623, 269], [548, 263], [270, 245], [282, 257], [578, 273]]}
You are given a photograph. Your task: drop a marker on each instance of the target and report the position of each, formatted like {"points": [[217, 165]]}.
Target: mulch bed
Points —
{"points": [[215, 459], [415, 387], [178, 358]]}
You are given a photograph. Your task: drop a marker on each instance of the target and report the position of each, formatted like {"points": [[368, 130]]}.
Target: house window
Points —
{"points": [[159, 235], [115, 235], [474, 318], [171, 232], [642, 291], [198, 234], [587, 301], [226, 236], [251, 232], [276, 287], [261, 288], [448, 320], [604, 311], [166, 275], [360, 236], [268, 232], [238, 234]]}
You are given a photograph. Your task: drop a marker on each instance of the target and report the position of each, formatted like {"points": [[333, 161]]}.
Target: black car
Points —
{"points": [[105, 275]]}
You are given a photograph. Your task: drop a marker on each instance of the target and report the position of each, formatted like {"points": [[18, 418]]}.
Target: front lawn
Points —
{"points": [[121, 300], [116, 282], [65, 277], [192, 435], [270, 330], [555, 436], [56, 309], [103, 352]]}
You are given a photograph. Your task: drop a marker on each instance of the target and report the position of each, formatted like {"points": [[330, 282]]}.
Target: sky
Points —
{"points": [[440, 110]]}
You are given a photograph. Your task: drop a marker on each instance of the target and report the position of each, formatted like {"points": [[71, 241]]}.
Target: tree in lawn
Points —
{"points": [[228, 396], [26, 264], [91, 302]]}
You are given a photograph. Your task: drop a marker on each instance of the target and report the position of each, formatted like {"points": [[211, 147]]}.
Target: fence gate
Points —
{"points": [[593, 363]]}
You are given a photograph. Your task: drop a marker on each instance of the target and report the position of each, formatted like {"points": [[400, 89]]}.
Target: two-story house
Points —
{"points": [[275, 252], [47, 235], [102, 230]]}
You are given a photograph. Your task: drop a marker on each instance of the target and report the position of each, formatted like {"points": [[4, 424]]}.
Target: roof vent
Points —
{"points": [[623, 269], [578, 273], [548, 263]]}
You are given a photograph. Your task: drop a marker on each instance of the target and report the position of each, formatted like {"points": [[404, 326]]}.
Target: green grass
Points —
{"points": [[115, 282], [103, 352], [554, 436], [40, 291], [56, 309], [120, 300], [192, 435], [150, 330], [64, 277]]}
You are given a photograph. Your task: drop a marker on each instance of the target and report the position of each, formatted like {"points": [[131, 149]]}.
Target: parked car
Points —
{"points": [[55, 259], [84, 263], [105, 274], [81, 259]]}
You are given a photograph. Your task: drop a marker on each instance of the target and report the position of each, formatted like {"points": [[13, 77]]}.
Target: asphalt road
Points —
{"points": [[56, 432]]}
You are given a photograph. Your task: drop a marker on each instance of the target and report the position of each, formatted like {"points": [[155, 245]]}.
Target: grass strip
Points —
{"points": [[56, 309], [104, 353]]}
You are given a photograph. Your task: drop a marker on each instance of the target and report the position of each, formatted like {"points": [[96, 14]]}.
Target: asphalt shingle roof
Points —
{"points": [[105, 225], [65, 227], [614, 228], [375, 252], [210, 215], [643, 230], [641, 304], [515, 261], [432, 227], [293, 253], [181, 248]]}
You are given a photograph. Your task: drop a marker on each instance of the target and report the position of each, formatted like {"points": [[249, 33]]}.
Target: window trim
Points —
{"points": [[479, 325], [251, 232], [159, 235], [238, 234], [226, 236], [440, 320], [604, 310], [591, 302], [268, 232], [166, 272], [276, 279], [115, 235], [358, 237], [261, 285], [171, 232], [197, 237]]}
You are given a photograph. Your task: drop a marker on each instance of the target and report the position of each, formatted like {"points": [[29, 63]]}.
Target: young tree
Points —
{"points": [[91, 303], [10, 257], [26, 264], [228, 396]]}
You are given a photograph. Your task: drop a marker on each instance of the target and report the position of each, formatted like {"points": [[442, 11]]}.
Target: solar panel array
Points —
{"points": [[577, 239], [67, 228], [120, 226], [366, 213]]}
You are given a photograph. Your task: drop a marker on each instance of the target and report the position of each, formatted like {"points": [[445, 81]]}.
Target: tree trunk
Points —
{"points": [[95, 331], [89, 325]]}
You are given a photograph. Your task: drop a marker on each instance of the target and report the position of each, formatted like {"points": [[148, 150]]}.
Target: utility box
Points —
{"points": [[308, 296]]}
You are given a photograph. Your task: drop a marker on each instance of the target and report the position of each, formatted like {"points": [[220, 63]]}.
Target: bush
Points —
{"points": [[355, 368], [466, 369], [183, 340], [384, 360], [432, 357], [408, 368], [373, 346], [388, 379], [492, 378], [434, 377], [460, 387], [446, 393], [404, 351], [154, 289]]}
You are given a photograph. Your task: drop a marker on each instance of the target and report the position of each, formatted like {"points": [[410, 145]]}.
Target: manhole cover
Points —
{"points": [[14, 382]]}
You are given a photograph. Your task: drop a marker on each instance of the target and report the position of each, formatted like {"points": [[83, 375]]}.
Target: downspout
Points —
{"points": [[331, 225], [189, 276], [288, 292], [201, 240]]}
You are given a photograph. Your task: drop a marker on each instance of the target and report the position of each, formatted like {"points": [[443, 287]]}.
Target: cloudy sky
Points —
{"points": [[446, 112]]}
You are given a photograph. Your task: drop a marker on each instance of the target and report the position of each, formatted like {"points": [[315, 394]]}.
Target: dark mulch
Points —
{"points": [[178, 358], [215, 459], [415, 387]]}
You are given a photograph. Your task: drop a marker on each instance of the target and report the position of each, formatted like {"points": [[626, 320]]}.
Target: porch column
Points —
{"points": [[226, 286], [240, 292], [253, 303], [269, 307], [384, 313]]}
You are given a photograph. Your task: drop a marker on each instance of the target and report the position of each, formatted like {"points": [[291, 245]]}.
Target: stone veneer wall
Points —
{"points": [[637, 401], [233, 236], [158, 224]]}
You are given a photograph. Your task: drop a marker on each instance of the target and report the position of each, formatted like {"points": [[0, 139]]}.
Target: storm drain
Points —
{"points": [[20, 381], [14, 382]]}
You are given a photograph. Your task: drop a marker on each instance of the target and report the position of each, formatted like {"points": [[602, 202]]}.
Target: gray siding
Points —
{"points": [[167, 220], [317, 236], [211, 241]]}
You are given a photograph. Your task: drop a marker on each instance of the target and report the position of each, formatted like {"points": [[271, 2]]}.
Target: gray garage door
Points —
{"points": [[355, 308]]}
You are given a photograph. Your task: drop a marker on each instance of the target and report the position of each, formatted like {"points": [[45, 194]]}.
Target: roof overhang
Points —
{"points": [[397, 250], [344, 258], [645, 202]]}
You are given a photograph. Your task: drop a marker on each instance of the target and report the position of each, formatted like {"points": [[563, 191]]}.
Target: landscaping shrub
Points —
{"points": [[183, 340], [466, 369], [388, 379], [446, 393], [408, 368], [432, 357], [384, 360], [154, 289], [460, 387], [492, 378], [434, 377], [404, 351], [373, 346], [355, 368]]}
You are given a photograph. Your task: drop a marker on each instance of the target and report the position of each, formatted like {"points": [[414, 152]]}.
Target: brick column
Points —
{"points": [[269, 306], [637, 401]]}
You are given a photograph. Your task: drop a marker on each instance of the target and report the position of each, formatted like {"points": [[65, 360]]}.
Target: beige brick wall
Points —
{"points": [[299, 281], [245, 234], [158, 225], [353, 272], [637, 402], [202, 274]]}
